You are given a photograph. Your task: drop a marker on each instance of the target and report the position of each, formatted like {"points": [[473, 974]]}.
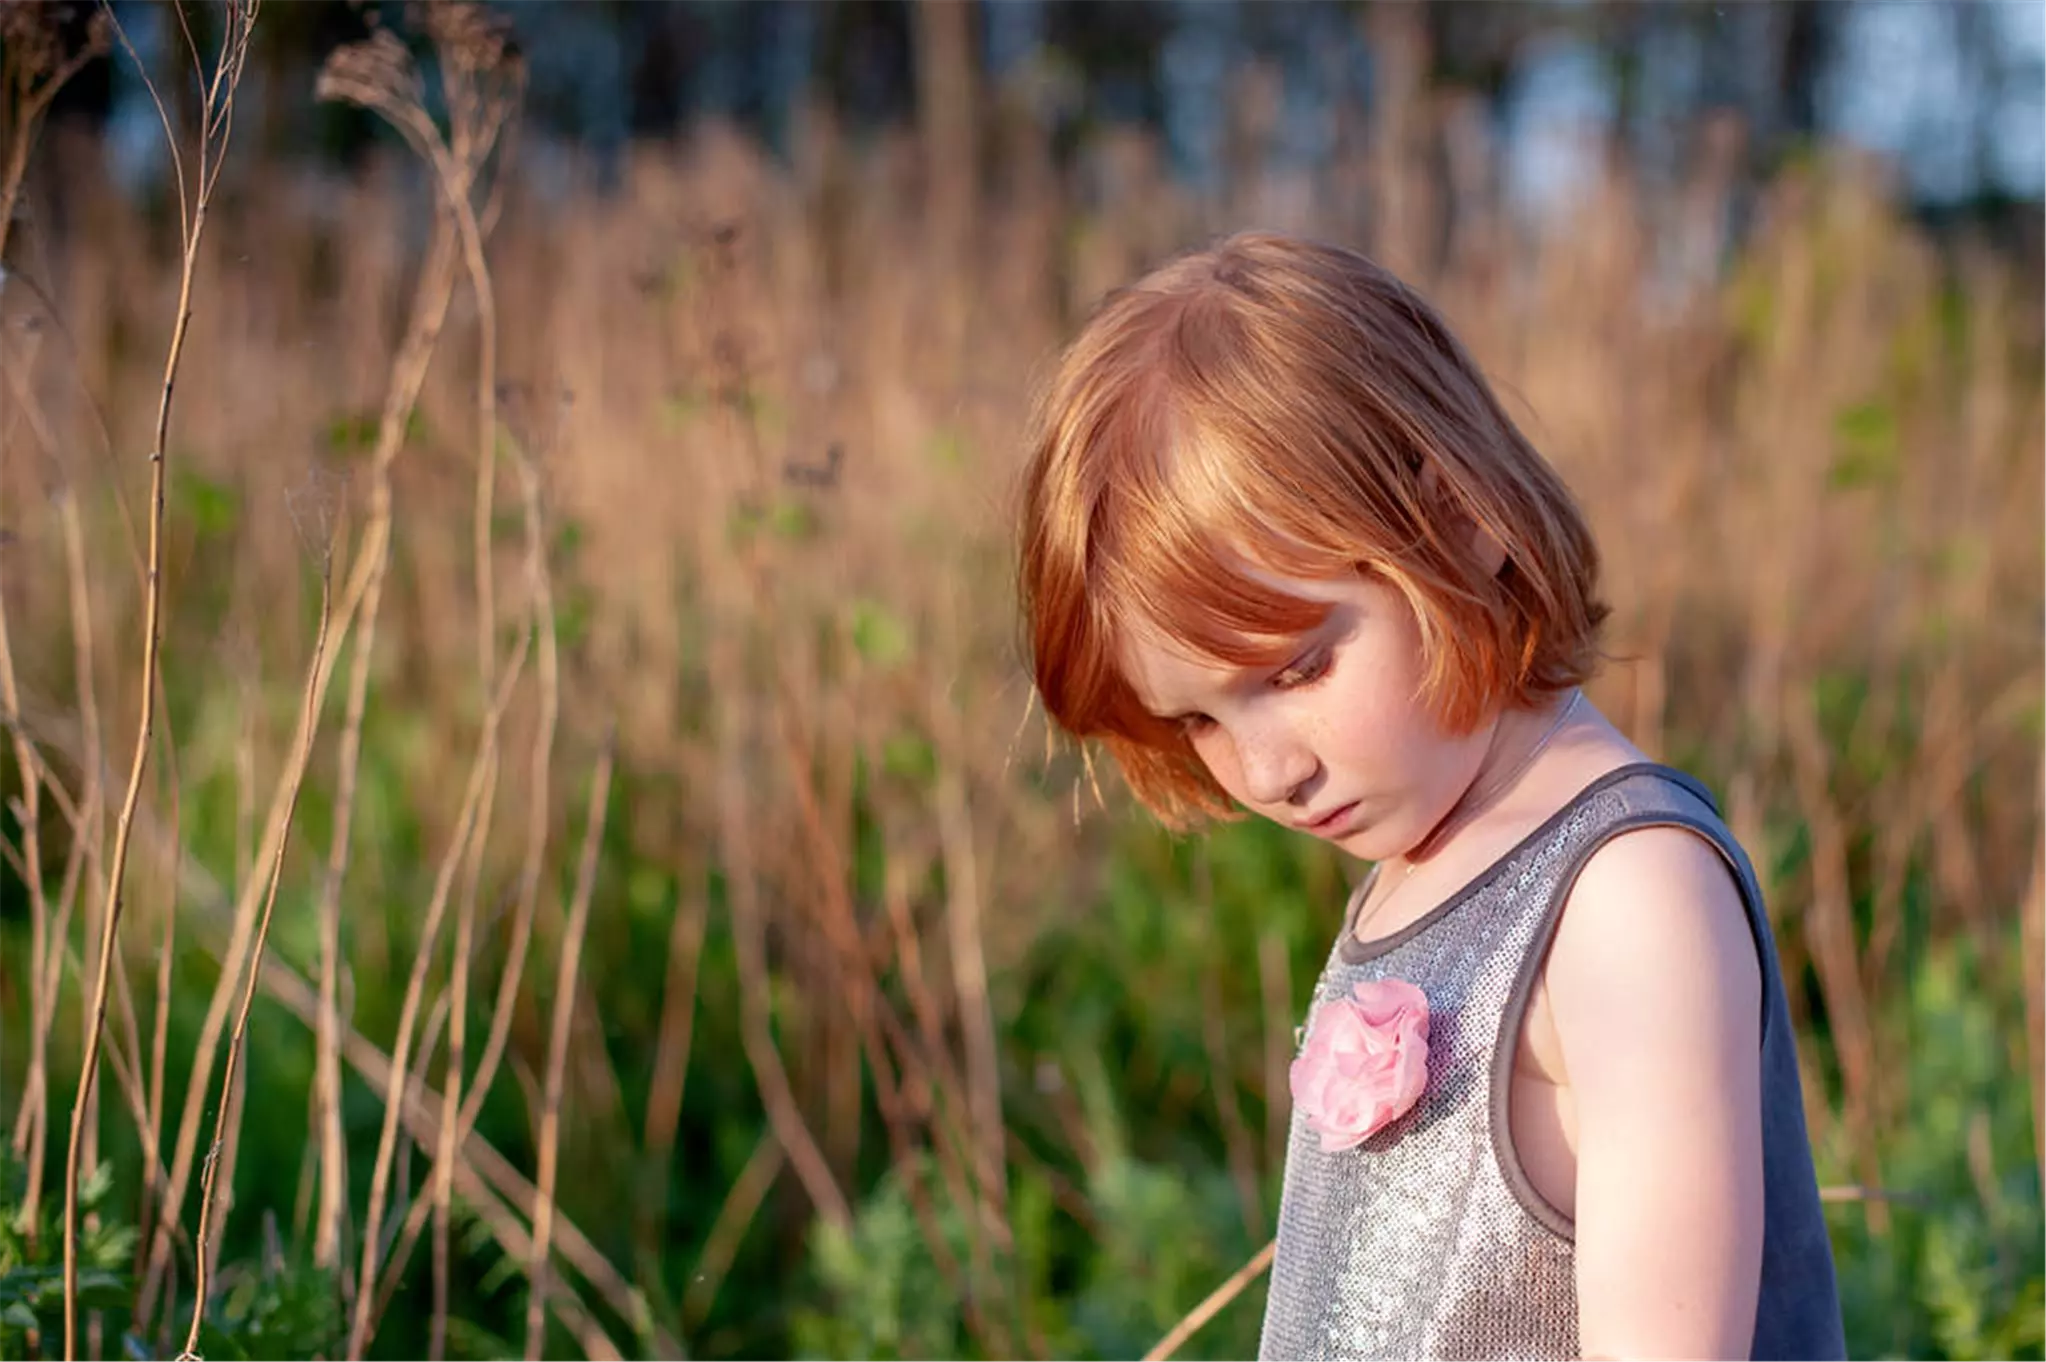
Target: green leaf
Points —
{"points": [[356, 432], [97, 1184], [909, 757], [1867, 446], [793, 520], [212, 507], [878, 633]]}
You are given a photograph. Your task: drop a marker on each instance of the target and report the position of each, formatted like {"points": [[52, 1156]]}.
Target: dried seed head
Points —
{"points": [[43, 35], [470, 36], [374, 71]]}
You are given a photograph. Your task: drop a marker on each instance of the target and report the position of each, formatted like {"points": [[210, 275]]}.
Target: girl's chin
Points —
{"points": [[1370, 842]]}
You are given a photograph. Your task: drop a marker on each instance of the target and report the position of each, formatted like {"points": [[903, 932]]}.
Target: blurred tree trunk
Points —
{"points": [[1809, 35]]}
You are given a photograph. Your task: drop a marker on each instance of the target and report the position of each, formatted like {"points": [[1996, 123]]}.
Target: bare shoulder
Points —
{"points": [[1655, 989], [1654, 949]]}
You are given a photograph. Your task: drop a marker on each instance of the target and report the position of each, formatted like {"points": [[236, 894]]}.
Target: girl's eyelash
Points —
{"points": [[1305, 672], [1308, 669]]}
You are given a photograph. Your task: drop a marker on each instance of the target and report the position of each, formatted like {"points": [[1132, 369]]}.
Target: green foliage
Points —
{"points": [[209, 506], [278, 1311], [1961, 1269], [272, 1311], [356, 432], [879, 634], [32, 1259], [884, 1294], [1169, 1236], [1165, 1237], [1868, 449]]}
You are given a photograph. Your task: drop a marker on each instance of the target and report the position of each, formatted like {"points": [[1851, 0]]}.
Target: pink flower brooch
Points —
{"points": [[1364, 1064]]}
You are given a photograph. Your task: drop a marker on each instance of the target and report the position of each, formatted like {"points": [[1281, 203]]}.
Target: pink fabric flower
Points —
{"points": [[1365, 1062]]}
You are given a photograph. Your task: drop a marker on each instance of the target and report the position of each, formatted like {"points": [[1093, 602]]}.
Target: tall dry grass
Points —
{"points": [[759, 419]]}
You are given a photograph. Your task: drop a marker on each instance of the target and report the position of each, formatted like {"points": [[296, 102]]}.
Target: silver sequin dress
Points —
{"points": [[1428, 1240]]}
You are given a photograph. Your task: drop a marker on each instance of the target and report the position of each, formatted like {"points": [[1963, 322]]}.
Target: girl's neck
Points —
{"points": [[1508, 758]]}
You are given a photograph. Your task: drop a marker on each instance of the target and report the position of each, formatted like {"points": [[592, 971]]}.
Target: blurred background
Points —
{"points": [[677, 873]]}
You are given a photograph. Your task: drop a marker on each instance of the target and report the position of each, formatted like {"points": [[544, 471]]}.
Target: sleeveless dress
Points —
{"points": [[1428, 1240]]}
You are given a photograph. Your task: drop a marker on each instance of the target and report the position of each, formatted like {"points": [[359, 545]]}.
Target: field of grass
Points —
{"points": [[674, 809]]}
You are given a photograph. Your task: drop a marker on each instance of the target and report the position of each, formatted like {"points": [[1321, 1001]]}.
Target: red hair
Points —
{"points": [[1280, 404]]}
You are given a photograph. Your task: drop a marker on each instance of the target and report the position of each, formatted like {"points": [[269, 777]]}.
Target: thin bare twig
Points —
{"points": [[2032, 932], [207, 1183], [557, 1051], [408, 1013], [1228, 1291], [671, 1057], [741, 1204], [241, 16], [32, 1119]]}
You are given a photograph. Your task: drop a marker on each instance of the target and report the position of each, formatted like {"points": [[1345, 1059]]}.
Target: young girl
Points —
{"points": [[1284, 552]]}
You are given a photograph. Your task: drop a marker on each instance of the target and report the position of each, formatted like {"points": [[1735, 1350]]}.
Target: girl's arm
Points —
{"points": [[1656, 994]]}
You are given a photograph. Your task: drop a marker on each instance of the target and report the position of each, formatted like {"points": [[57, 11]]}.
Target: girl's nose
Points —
{"points": [[1275, 764]]}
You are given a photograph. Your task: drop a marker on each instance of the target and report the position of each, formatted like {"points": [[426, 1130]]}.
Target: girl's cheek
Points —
{"points": [[1218, 754]]}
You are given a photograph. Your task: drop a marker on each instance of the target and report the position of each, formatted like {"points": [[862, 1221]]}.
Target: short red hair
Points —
{"points": [[1287, 405]]}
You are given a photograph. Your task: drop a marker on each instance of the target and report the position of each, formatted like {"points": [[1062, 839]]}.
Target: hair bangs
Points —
{"points": [[1278, 406]]}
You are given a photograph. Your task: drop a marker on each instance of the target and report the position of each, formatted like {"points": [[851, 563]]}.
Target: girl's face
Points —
{"points": [[1335, 742]]}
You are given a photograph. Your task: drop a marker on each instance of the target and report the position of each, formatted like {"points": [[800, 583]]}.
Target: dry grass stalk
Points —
{"points": [[1829, 934], [230, 1107], [740, 1205], [537, 1266], [453, 1135], [33, 67], [33, 45], [443, 1171], [433, 293], [483, 1170], [896, 1085], [2032, 933], [159, 1033], [517, 1244], [446, 1145], [671, 1063], [216, 123], [31, 1120], [1176, 1337], [969, 965], [540, 585], [86, 815], [93, 834], [740, 578], [483, 80], [408, 1013], [750, 949]]}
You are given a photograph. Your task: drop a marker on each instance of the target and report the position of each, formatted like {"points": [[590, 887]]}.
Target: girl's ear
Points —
{"points": [[1481, 542]]}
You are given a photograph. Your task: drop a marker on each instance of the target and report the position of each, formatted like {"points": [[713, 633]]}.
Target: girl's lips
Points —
{"points": [[1329, 821]]}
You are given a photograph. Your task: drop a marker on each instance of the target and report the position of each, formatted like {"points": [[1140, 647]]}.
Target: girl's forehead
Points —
{"points": [[1168, 674], [1161, 664]]}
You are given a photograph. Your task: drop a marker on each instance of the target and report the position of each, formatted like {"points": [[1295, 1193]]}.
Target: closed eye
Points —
{"points": [[1303, 672]]}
